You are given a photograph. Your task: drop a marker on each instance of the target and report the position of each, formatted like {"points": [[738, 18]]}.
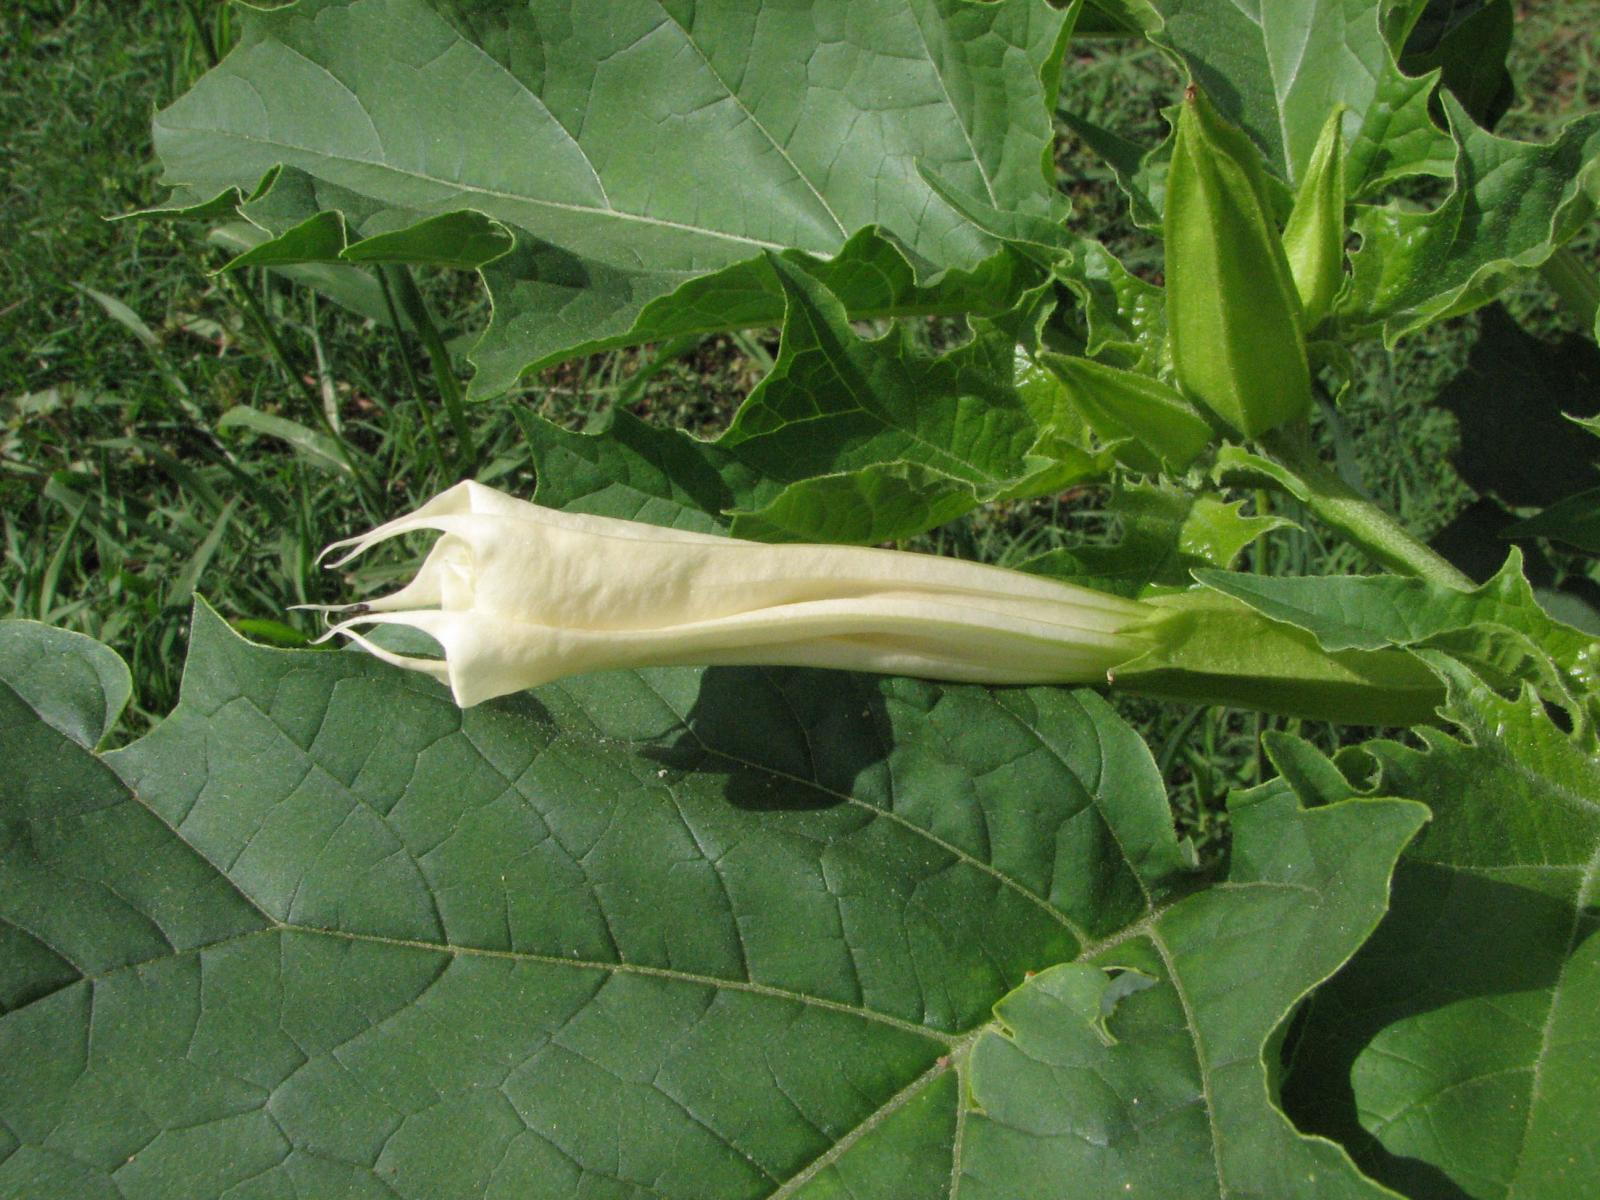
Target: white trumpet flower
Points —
{"points": [[519, 595]]}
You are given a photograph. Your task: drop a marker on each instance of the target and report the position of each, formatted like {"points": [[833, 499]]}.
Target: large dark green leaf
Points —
{"points": [[678, 933], [91, 882], [1510, 402], [641, 155], [1467, 40], [1574, 520], [1466, 1026]]}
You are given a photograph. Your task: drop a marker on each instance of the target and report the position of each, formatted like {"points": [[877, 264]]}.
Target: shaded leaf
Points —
{"points": [[547, 298], [627, 468], [834, 401], [1465, 1027], [1575, 520], [846, 439], [1467, 41], [348, 287], [1510, 402], [319, 238], [878, 503], [461, 239]]}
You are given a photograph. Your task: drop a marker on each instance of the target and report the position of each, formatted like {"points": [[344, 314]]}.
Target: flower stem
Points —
{"points": [[1354, 517]]}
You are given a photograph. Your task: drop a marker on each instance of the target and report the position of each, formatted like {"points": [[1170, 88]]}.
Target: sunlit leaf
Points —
{"points": [[691, 934], [642, 156]]}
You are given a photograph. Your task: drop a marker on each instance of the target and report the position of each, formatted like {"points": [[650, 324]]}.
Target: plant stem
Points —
{"points": [[415, 307], [257, 314], [1354, 517], [411, 374], [1262, 566], [1574, 283], [202, 33]]}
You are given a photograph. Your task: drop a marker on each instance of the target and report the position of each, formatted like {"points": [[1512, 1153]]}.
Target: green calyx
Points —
{"points": [[1154, 426], [1233, 310], [1313, 239], [1208, 648]]}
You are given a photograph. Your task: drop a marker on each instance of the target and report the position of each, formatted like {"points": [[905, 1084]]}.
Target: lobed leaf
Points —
{"points": [[1129, 1083], [1367, 612], [1513, 204], [1166, 534], [1278, 69], [679, 933]]}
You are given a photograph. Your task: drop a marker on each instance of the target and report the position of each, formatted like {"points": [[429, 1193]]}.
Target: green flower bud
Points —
{"points": [[1159, 429], [1313, 240], [1233, 313]]}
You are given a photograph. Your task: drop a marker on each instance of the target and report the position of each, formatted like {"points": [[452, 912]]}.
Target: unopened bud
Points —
{"points": [[1233, 312]]}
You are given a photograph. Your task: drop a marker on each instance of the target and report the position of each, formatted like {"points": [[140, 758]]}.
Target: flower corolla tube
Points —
{"points": [[518, 595]]}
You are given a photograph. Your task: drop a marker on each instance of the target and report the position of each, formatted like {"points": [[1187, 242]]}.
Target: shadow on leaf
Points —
{"points": [[784, 738], [1428, 952], [1509, 401]]}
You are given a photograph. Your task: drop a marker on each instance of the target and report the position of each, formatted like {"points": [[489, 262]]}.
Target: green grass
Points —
{"points": [[125, 485], [122, 487]]}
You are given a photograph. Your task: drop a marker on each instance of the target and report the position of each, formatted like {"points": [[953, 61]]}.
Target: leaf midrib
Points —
{"points": [[1579, 916], [477, 189], [608, 210], [716, 982], [273, 923]]}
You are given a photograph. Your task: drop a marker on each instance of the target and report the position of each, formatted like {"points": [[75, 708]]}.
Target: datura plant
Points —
{"points": [[677, 837]]}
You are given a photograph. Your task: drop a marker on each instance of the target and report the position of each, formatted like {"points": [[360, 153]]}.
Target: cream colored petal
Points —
{"points": [[518, 595], [489, 656]]}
